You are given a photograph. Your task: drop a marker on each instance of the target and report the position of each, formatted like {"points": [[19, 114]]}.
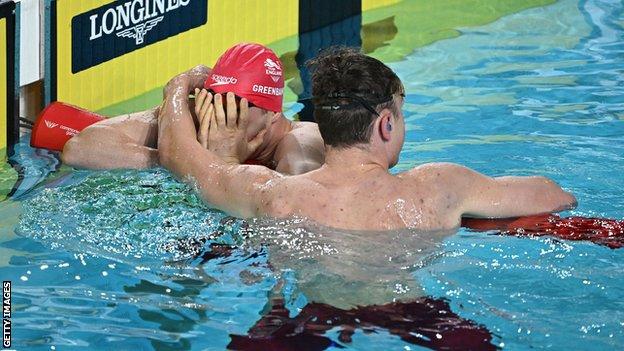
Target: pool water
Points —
{"points": [[133, 260]]}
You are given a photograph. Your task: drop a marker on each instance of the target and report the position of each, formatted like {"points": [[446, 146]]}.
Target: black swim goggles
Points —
{"points": [[357, 101]]}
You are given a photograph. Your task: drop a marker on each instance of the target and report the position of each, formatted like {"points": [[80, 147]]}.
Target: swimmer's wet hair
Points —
{"points": [[348, 90]]}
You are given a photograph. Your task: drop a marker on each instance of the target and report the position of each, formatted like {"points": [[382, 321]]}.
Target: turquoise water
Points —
{"points": [[123, 259]]}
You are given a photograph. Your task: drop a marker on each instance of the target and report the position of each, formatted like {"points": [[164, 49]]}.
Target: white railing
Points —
{"points": [[31, 49]]}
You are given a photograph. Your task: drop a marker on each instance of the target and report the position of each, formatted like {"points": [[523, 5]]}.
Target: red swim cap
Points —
{"points": [[251, 71]]}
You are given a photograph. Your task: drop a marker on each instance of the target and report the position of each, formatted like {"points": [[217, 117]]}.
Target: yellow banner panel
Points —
{"points": [[373, 4], [144, 28]]}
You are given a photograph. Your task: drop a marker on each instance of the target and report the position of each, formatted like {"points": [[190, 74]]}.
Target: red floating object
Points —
{"points": [[603, 231], [57, 123]]}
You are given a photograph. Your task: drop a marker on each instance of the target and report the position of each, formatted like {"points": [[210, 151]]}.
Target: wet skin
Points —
{"points": [[352, 189], [131, 141]]}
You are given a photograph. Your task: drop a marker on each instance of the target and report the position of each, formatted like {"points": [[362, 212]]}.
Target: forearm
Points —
{"points": [[175, 108], [109, 151], [181, 153], [481, 196], [177, 135], [520, 196], [175, 128], [233, 188]]}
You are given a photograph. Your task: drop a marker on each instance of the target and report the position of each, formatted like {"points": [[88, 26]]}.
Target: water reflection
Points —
{"points": [[182, 309], [424, 322], [352, 282]]}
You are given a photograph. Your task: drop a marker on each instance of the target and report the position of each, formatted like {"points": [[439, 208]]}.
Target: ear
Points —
{"points": [[385, 124]]}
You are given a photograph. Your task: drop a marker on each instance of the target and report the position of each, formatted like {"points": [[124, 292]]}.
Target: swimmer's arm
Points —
{"points": [[510, 196], [127, 141], [233, 188], [502, 197]]}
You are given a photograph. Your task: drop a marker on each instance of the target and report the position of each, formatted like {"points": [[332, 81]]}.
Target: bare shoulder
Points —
{"points": [[441, 186], [441, 170], [305, 133], [442, 179], [281, 195], [301, 150], [305, 127]]}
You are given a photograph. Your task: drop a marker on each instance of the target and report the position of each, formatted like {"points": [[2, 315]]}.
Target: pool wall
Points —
{"points": [[114, 58], [9, 127], [121, 71]]}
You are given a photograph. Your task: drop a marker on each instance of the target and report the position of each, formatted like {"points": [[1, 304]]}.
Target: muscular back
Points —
{"points": [[353, 189], [429, 197], [375, 201]]}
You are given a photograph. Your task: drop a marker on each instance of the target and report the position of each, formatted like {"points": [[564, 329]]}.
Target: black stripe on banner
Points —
{"points": [[315, 14], [322, 24], [7, 10]]}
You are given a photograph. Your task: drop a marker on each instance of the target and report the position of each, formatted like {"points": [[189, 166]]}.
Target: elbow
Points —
{"points": [[568, 201], [561, 200], [71, 154], [79, 150]]}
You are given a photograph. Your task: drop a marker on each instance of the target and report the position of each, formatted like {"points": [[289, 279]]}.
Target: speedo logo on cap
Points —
{"points": [[222, 80], [272, 69]]}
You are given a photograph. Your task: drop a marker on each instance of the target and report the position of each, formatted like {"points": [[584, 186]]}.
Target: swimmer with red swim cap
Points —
{"points": [[253, 74], [358, 104], [249, 71]]}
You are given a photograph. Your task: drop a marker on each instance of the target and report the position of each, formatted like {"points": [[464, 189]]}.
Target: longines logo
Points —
{"points": [[123, 26], [138, 32]]}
